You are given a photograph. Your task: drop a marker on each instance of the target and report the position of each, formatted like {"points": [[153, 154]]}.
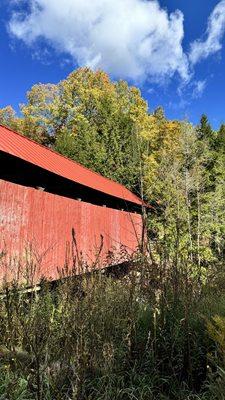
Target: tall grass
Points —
{"points": [[143, 336]]}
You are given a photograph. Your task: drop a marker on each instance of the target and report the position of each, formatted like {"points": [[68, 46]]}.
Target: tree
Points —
{"points": [[176, 177], [92, 120], [8, 118], [40, 120], [220, 140], [204, 130], [101, 120]]}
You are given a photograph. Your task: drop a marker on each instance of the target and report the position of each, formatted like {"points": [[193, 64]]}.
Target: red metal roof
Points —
{"points": [[20, 146]]}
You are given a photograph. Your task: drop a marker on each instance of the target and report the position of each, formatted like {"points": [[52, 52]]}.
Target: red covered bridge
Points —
{"points": [[44, 197]]}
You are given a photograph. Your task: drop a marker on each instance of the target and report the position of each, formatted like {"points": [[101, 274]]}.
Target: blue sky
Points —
{"points": [[174, 50]]}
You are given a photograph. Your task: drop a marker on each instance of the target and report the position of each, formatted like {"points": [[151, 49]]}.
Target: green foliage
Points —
{"points": [[13, 387], [89, 119], [8, 118], [205, 132], [101, 121]]}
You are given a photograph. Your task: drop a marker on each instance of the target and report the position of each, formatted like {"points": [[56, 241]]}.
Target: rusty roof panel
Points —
{"points": [[20, 146]]}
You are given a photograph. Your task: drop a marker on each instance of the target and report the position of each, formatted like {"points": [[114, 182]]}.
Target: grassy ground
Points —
{"points": [[144, 336]]}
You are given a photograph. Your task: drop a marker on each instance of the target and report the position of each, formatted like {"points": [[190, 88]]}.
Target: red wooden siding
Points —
{"points": [[30, 218]]}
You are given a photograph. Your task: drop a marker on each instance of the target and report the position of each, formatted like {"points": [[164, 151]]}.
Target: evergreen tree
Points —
{"points": [[220, 140], [206, 133]]}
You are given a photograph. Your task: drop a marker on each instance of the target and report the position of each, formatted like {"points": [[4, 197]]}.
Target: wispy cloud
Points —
{"points": [[134, 39], [201, 49], [199, 87]]}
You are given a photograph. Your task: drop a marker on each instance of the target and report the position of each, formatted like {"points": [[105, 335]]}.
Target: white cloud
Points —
{"points": [[199, 87], [201, 49], [133, 39]]}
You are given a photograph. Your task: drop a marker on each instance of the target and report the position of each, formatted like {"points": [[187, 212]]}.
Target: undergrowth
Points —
{"points": [[147, 335]]}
